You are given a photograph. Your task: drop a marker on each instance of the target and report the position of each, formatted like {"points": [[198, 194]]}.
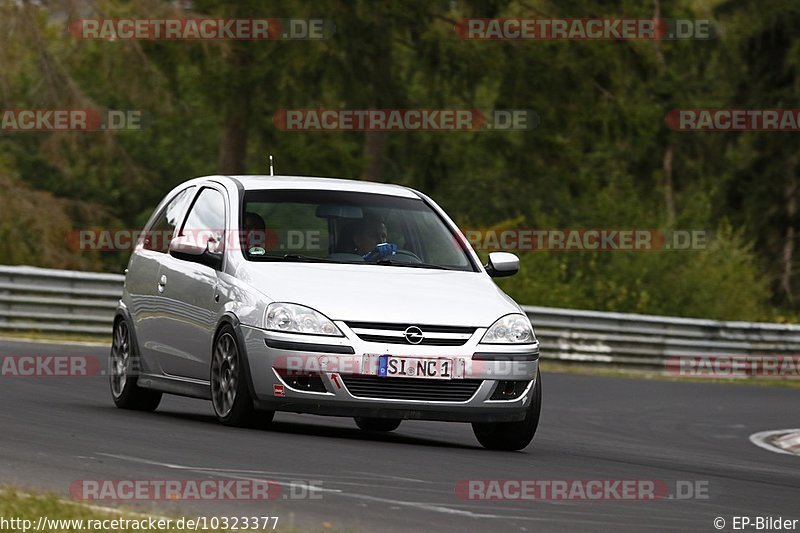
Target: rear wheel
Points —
{"points": [[123, 369], [230, 394], [512, 436], [377, 424]]}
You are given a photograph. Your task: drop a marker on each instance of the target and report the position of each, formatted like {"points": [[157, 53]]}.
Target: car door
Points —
{"points": [[188, 291], [142, 276]]}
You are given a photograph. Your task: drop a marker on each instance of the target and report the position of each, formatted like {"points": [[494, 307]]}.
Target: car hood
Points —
{"points": [[388, 294]]}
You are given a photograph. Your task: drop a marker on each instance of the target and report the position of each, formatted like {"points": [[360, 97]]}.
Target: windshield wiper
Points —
{"points": [[296, 258], [392, 262]]}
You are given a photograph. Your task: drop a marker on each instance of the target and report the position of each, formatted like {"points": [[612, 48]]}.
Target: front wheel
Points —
{"points": [[230, 394], [377, 424], [122, 373], [511, 436]]}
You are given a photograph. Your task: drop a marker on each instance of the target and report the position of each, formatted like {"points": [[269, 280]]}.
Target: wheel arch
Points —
{"points": [[229, 318], [122, 313]]}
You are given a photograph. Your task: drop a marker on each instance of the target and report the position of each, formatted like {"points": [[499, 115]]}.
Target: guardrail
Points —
{"points": [[61, 301], [648, 340], [58, 301]]}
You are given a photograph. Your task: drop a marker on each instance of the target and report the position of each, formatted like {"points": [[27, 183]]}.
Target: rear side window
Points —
{"points": [[206, 218], [158, 235]]}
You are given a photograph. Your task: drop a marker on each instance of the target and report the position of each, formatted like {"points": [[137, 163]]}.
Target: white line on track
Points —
{"points": [[395, 478], [423, 506], [762, 438]]}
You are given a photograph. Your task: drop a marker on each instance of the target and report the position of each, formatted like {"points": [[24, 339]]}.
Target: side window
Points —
{"points": [[158, 235], [206, 219]]}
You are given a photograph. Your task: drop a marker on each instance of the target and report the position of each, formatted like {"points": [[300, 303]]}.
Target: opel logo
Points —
{"points": [[413, 335]]}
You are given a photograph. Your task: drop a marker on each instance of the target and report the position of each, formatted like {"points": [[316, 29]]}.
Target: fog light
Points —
{"points": [[509, 390], [302, 382]]}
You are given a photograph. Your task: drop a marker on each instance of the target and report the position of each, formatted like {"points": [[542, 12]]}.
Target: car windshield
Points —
{"points": [[348, 227]]}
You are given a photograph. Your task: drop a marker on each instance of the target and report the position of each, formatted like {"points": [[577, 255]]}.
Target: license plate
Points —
{"points": [[391, 366]]}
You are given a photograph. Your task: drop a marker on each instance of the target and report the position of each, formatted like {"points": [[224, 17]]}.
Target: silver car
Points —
{"points": [[324, 296]]}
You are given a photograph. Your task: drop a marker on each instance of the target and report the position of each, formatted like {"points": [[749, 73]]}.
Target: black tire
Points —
{"points": [[230, 391], [123, 370], [377, 424], [512, 436]]}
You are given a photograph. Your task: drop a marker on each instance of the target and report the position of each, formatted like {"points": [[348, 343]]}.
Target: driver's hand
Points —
{"points": [[381, 251]]}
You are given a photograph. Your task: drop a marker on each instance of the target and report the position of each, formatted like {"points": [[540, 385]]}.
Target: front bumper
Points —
{"points": [[347, 384]]}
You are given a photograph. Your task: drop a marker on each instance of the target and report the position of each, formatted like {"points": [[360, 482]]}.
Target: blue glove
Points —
{"points": [[381, 251]]}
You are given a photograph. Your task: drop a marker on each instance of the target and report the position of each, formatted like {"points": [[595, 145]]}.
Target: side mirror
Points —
{"points": [[502, 264], [187, 248]]}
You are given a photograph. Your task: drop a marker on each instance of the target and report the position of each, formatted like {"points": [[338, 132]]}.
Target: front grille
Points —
{"points": [[427, 390], [401, 340], [394, 333]]}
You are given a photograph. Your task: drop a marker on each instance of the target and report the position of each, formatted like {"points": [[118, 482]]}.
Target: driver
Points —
{"points": [[254, 234], [368, 234], [369, 238]]}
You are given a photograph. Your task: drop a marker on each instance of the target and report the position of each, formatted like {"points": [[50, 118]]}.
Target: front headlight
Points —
{"points": [[293, 318], [510, 329]]}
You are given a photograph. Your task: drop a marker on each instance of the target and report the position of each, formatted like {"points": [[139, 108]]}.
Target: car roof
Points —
{"points": [[253, 182]]}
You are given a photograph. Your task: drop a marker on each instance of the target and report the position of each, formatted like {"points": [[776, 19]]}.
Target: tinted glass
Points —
{"points": [[348, 227], [159, 234], [206, 218]]}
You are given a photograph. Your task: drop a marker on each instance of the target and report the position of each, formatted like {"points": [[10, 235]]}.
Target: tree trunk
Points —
{"points": [[233, 145], [662, 63], [380, 61], [374, 146], [666, 166], [669, 195], [787, 257]]}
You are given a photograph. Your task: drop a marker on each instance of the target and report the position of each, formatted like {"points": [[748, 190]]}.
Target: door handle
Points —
{"points": [[162, 283]]}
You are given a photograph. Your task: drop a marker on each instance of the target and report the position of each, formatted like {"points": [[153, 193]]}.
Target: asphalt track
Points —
{"points": [[54, 431]]}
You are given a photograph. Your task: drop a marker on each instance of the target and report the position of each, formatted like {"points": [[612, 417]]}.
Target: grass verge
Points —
{"points": [[38, 336]]}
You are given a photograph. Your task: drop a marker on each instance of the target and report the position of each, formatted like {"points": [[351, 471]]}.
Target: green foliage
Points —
{"points": [[724, 279], [596, 159]]}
